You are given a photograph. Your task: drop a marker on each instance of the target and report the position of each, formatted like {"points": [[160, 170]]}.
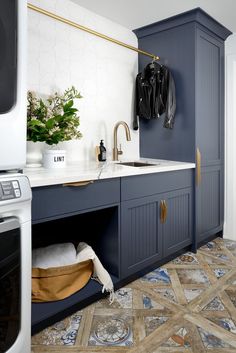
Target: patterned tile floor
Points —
{"points": [[188, 305]]}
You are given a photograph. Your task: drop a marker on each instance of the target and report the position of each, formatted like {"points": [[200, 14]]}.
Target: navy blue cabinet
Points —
{"points": [[58, 201], [209, 98], [192, 46], [75, 212], [155, 226], [209, 135], [141, 239], [132, 223], [210, 202], [177, 231]]}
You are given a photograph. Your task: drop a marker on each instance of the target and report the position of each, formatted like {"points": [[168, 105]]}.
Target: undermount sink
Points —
{"points": [[137, 164]]}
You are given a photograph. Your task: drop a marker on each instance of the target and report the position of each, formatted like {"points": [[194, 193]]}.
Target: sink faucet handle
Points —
{"points": [[120, 150]]}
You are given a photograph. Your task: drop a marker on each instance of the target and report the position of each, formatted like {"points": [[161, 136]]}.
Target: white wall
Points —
{"points": [[61, 56], [230, 139]]}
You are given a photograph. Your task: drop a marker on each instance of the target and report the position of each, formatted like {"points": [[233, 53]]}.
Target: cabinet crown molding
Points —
{"points": [[196, 15]]}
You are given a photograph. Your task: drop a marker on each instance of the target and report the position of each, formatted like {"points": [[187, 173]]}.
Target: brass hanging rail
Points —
{"points": [[91, 31]]}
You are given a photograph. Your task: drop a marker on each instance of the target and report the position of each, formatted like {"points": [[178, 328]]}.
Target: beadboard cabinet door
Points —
{"points": [[177, 231], [209, 135], [210, 98], [154, 227], [141, 241], [209, 202]]}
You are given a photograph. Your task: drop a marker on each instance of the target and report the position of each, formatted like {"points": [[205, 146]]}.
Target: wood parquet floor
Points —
{"points": [[188, 305]]}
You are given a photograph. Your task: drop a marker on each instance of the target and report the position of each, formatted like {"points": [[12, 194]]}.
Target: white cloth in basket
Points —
{"points": [[55, 255], [85, 252]]}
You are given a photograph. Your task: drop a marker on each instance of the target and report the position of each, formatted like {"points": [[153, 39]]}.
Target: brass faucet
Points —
{"points": [[116, 152]]}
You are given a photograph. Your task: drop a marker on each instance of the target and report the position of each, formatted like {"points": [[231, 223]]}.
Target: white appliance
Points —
{"points": [[15, 263], [15, 192], [13, 60]]}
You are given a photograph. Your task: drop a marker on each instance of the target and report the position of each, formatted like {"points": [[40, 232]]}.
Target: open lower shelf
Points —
{"points": [[102, 234], [45, 314]]}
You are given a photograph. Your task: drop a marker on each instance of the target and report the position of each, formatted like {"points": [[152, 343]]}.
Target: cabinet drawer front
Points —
{"points": [[150, 184], [51, 201]]}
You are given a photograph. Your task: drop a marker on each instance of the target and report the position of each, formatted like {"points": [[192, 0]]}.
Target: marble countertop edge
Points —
{"points": [[83, 171]]}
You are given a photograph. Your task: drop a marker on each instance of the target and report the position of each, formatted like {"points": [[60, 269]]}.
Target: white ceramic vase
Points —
{"points": [[53, 158], [34, 154]]}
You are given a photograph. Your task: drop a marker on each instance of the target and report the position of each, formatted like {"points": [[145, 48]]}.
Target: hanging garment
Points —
{"points": [[155, 95]]}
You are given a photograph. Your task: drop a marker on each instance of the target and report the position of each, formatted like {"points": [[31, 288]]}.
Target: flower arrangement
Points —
{"points": [[53, 120]]}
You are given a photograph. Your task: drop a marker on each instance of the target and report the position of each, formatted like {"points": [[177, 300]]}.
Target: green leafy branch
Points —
{"points": [[54, 120]]}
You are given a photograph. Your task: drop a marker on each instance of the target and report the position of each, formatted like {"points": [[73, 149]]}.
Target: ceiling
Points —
{"points": [[137, 13]]}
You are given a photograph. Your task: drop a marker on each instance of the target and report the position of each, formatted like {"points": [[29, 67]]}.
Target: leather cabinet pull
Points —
{"points": [[79, 183], [165, 211], [198, 169], [162, 211]]}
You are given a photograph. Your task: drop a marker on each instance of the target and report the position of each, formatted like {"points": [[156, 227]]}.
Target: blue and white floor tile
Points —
{"points": [[111, 331], [160, 275], [63, 333]]}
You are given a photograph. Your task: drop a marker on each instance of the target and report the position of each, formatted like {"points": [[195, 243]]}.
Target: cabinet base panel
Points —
{"points": [[210, 238]]}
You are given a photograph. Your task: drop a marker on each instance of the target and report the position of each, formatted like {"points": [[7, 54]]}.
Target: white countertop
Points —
{"points": [[82, 171]]}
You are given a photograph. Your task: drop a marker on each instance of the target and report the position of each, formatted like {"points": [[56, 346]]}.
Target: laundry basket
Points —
{"points": [[58, 283]]}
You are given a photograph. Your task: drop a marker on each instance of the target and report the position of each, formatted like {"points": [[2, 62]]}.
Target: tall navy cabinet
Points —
{"points": [[209, 127], [192, 46]]}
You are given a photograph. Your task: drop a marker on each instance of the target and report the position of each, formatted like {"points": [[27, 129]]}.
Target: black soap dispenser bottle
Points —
{"points": [[102, 152]]}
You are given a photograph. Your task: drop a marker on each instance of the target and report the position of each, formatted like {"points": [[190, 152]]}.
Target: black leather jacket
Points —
{"points": [[155, 94]]}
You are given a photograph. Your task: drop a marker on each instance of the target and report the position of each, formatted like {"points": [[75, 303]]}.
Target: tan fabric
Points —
{"points": [[57, 283]]}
